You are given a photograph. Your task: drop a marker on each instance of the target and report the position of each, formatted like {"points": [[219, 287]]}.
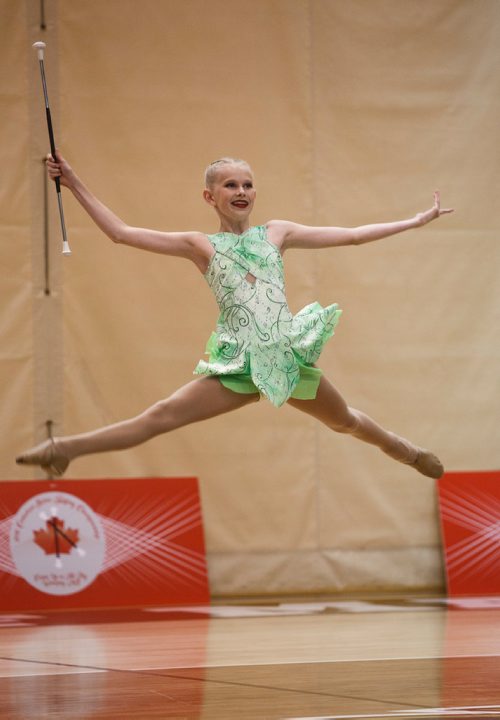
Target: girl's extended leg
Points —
{"points": [[198, 400], [330, 407]]}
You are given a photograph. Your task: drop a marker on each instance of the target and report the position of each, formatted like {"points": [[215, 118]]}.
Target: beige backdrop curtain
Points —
{"points": [[349, 111]]}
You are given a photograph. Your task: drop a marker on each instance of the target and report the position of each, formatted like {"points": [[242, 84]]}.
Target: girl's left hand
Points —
{"points": [[434, 212]]}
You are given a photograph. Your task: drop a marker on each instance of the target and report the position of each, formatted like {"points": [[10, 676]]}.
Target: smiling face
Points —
{"points": [[230, 191]]}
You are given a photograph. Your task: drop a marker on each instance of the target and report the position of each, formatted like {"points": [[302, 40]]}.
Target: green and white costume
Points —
{"points": [[258, 343]]}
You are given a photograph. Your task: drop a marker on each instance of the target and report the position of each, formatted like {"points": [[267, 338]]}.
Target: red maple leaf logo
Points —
{"points": [[55, 539]]}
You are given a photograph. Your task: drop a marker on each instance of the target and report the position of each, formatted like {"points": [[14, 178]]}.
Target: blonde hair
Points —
{"points": [[215, 166]]}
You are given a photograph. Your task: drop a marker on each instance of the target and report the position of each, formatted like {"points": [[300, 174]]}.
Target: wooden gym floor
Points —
{"points": [[383, 658]]}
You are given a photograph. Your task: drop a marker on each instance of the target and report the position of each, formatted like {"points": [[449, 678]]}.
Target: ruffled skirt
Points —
{"points": [[273, 364]]}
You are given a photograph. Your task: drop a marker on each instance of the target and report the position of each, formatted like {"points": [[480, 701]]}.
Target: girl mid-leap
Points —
{"points": [[259, 347]]}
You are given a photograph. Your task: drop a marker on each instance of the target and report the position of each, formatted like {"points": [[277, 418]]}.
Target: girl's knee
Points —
{"points": [[348, 423], [160, 416]]}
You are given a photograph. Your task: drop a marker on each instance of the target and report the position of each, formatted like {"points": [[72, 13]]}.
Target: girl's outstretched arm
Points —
{"points": [[191, 245], [292, 235]]}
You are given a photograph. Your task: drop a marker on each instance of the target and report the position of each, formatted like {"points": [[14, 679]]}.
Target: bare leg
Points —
{"points": [[198, 400], [330, 407]]}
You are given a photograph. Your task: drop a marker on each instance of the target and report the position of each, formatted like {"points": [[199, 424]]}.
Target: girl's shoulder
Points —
{"points": [[276, 232]]}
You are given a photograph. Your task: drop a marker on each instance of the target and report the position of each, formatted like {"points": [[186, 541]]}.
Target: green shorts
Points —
{"points": [[306, 388]]}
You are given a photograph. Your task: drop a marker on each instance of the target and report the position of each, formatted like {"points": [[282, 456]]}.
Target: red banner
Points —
{"points": [[101, 543], [469, 504]]}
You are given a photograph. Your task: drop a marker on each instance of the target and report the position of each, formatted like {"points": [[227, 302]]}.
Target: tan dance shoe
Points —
{"points": [[48, 455], [428, 464]]}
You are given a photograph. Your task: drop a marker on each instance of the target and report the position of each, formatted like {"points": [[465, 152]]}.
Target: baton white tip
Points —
{"points": [[40, 47], [66, 249]]}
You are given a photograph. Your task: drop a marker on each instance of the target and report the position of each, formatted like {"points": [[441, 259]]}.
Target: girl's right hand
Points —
{"points": [[59, 168]]}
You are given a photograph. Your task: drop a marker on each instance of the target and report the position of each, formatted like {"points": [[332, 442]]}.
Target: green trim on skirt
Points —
{"points": [[306, 388]]}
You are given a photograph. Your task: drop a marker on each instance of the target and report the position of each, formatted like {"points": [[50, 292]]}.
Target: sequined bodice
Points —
{"points": [[256, 332]]}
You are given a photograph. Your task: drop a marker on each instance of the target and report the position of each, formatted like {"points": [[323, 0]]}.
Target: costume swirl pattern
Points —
{"points": [[256, 332]]}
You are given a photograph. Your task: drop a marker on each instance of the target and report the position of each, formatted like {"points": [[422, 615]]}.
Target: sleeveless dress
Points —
{"points": [[256, 333]]}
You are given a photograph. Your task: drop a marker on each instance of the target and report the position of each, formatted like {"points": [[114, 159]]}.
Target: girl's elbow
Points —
{"points": [[121, 235], [354, 237]]}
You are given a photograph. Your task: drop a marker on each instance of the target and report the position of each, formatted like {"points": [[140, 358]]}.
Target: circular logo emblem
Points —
{"points": [[57, 543]]}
